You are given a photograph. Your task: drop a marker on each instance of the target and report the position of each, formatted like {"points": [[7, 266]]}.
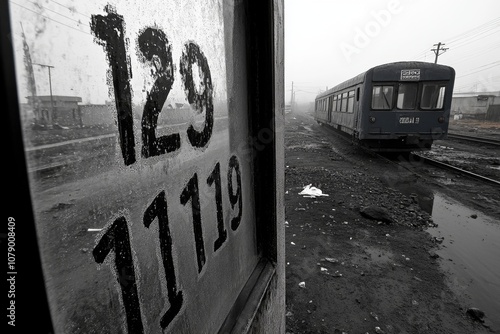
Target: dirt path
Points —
{"points": [[346, 273]]}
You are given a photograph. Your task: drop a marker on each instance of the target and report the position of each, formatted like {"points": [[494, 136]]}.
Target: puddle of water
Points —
{"points": [[473, 245]]}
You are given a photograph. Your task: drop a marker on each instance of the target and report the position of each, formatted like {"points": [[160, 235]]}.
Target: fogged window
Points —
{"points": [[142, 184], [344, 102], [407, 96], [432, 96], [350, 103], [382, 97]]}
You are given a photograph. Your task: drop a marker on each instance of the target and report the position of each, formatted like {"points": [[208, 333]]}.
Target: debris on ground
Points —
{"points": [[312, 192]]}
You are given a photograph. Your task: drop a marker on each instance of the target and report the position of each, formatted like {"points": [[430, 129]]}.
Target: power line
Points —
{"points": [[463, 38], [468, 32], [464, 43], [488, 66], [70, 9], [55, 12], [83, 32], [475, 53]]}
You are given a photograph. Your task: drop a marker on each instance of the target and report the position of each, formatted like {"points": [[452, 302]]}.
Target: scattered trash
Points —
{"points": [[379, 330], [345, 223], [374, 315], [84, 250], [323, 269], [417, 279], [311, 192], [300, 209], [438, 239], [387, 235], [293, 243], [414, 302], [331, 260], [336, 274], [288, 314], [302, 285]]}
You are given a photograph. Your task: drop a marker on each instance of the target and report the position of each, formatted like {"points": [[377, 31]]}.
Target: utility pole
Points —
{"points": [[439, 51], [50, 87]]}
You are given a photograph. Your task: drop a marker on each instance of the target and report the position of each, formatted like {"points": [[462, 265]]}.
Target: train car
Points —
{"points": [[394, 107]]}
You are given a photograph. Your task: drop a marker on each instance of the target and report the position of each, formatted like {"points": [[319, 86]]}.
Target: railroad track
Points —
{"points": [[484, 140], [455, 169], [426, 160]]}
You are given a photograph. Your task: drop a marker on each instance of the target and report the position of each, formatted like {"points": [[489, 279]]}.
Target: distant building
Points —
{"points": [[476, 105], [55, 110]]}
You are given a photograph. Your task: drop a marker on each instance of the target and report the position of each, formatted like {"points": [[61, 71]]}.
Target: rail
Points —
{"points": [[484, 140], [455, 169]]}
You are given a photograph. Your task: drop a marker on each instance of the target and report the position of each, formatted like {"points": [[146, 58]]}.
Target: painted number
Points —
{"points": [[159, 209], [153, 45], [156, 51], [116, 239]]}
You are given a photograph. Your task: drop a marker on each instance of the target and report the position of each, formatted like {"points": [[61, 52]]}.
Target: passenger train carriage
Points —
{"points": [[395, 107]]}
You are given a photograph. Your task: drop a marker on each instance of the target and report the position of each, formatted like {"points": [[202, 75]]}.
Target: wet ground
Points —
{"points": [[470, 251], [416, 270]]}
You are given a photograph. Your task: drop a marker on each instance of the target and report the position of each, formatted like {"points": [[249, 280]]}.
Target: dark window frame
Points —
{"points": [[382, 85]]}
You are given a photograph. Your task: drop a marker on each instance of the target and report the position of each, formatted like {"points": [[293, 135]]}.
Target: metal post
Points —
{"points": [[50, 87]]}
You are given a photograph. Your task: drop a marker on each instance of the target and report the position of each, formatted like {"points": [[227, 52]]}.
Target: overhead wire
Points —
{"points": [[49, 18]]}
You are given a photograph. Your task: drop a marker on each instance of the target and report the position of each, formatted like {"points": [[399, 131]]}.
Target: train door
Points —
{"points": [[358, 109], [142, 216]]}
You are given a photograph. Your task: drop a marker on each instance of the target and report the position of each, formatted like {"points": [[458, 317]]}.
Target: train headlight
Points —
{"points": [[372, 119], [441, 119]]}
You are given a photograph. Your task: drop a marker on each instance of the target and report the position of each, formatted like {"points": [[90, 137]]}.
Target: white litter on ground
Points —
{"points": [[311, 192]]}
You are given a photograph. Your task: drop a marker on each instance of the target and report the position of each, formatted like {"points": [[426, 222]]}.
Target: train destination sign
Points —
{"points": [[410, 75], [136, 131]]}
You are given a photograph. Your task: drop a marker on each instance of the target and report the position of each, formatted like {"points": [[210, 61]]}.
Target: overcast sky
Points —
{"points": [[329, 41], [326, 41]]}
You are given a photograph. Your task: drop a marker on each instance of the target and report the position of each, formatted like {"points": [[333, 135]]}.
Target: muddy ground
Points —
{"points": [[347, 273]]}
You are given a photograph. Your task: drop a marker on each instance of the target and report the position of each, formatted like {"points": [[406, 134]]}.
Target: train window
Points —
{"points": [[144, 205], [334, 107], [339, 102], [407, 95], [344, 102], [432, 96], [357, 93], [382, 97], [350, 102]]}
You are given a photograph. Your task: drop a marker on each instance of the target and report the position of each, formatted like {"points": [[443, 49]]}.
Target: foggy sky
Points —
{"points": [[329, 41]]}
